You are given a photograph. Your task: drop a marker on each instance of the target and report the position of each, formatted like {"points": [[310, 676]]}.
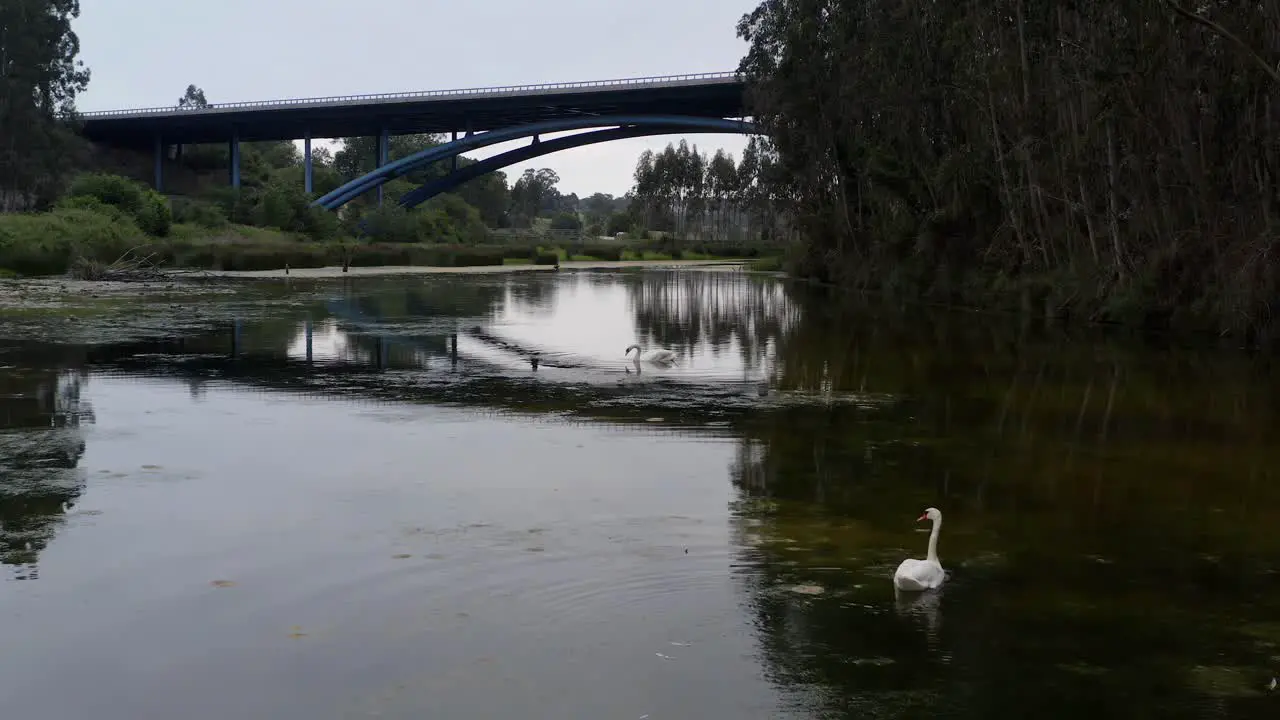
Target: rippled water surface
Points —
{"points": [[453, 497]]}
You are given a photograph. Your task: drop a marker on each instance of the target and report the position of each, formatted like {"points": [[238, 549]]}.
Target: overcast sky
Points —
{"points": [[144, 53]]}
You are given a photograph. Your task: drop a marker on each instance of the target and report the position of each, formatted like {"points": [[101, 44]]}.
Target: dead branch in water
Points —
{"points": [[129, 267]]}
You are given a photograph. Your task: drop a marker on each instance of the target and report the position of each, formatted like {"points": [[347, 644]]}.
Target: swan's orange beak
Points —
{"points": [[922, 517]]}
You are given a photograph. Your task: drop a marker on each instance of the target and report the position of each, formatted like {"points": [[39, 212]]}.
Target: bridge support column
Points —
{"points": [[306, 163], [310, 355], [453, 161], [384, 147], [235, 158], [159, 162]]}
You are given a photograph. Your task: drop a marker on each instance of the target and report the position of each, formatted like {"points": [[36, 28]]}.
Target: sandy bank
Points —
{"points": [[336, 271]]}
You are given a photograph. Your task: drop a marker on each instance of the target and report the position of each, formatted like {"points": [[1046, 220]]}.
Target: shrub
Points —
{"points": [[199, 212], [287, 207], [392, 224], [602, 252], [566, 221], [237, 203], [88, 202], [458, 220], [50, 243], [148, 208]]}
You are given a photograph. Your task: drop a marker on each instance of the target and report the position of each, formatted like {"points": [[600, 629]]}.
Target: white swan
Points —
{"points": [[927, 574], [659, 356]]}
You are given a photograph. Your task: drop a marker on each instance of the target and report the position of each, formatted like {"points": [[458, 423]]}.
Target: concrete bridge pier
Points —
{"points": [[306, 172], [453, 161], [235, 158], [159, 163], [384, 149]]}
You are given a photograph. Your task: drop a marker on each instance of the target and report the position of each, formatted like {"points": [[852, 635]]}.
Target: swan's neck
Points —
{"points": [[933, 541]]}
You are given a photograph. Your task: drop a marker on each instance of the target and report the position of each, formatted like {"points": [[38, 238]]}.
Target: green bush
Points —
{"points": [[242, 254], [148, 208], [155, 217], [199, 212], [287, 207], [238, 204], [88, 202], [601, 252], [566, 221], [50, 243], [619, 223], [392, 224], [444, 220], [456, 221]]}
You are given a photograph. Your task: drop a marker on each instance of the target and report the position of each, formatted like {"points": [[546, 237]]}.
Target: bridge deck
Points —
{"points": [[480, 109]]}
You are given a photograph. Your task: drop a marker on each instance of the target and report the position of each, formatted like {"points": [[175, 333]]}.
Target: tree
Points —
{"points": [[534, 193], [489, 194], [193, 98], [566, 221], [682, 191], [39, 79], [359, 155], [1127, 148], [321, 157], [598, 207]]}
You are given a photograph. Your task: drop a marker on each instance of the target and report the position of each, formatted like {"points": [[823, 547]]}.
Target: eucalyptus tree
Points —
{"points": [[39, 80]]}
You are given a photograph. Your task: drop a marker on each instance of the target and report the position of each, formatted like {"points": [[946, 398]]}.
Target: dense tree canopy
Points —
{"points": [[39, 79], [682, 191], [1131, 144]]}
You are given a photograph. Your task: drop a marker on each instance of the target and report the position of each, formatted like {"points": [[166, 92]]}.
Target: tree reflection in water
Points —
{"points": [[1108, 506], [1107, 521], [41, 443]]}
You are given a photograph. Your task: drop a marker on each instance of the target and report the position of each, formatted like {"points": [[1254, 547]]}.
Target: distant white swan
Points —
{"points": [[927, 574], [659, 356]]}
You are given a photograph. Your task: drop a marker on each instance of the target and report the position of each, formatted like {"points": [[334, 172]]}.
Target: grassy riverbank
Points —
{"points": [[106, 222], [84, 240], [77, 240]]}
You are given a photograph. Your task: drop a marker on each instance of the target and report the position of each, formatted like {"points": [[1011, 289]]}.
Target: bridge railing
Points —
{"points": [[456, 93]]}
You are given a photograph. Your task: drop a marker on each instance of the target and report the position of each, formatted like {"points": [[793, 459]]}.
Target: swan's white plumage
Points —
{"points": [[918, 575], [659, 356]]}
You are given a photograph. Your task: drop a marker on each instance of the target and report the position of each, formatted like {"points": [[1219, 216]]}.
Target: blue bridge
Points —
{"points": [[611, 109]]}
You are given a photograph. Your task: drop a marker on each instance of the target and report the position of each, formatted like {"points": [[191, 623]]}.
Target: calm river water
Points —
{"points": [[362, 499]]}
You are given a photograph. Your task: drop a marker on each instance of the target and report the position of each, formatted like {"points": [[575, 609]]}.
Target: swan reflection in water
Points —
{"points": [[923, 609]]}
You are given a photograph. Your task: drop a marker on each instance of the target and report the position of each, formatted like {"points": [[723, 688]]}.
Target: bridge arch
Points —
{"points": [[667, 124], [449, 182]]}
